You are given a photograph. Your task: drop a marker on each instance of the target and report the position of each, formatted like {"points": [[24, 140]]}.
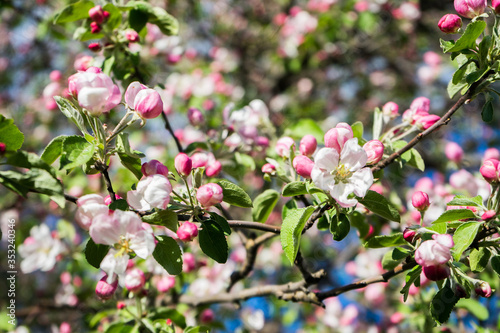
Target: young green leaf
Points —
{"points": [[213, 242], [468, 38], [464, 236], [341, 229], [74, 12], [95, 253], [10, 135], [495, 264], [168, 254], [53, 150], [76, 151], [234, 195], [71, 112], [454, 215], [264, 204], [478, 259], [294, 188], [380, 206], [412, 277], [487, 111], [385, 241], [166, 218], [474, 307], [462, 200], [291, 230]]}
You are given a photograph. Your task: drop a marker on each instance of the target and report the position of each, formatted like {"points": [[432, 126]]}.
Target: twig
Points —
{"points": [[70, 198], [254, 225], [441, 122], [315, 216], [308, 277], [171, 131], [236, 276], [107, 180]]}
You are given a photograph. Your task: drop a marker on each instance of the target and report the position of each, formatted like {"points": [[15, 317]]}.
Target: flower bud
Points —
{"points": [[165, 283], [183, 164], [188, 262], [199, 160], [283, 146], [303, 165], [97, 14], [3, 147], [107, 199], [148, 103], [409, 235], [421, 104], [132, 35], [489, 170], [435, 251], [450, 23], [55, 76], [105, 290], [427, 121], [470, 8], [496, 5], [209, 194], [134, 280], [483, 289], [195, 117], [336, 137], [94, 47], [390, 109], [374, 150], [454, 152], [95, 28], [213, 169], [120, 305], [268, 168], [437, 272], [491, 153], [187, 231], [154, 167], [262, 141], [420, 200], [460, 291], [207, 316], [65, 327], [308, 145], [488, 215]]}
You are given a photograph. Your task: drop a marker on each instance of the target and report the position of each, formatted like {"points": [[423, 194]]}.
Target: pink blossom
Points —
{"points": [[450, 23], [308, 145], [409, 235], [343, 174], [134, 280], [488, 215], [454, 152], [427, 121], [107, 199], [268, 168], [195, 117], [199, 160], [132, 35], [40, 250], [213, 168], [390, 109], [421, 104], [336, 137], [165, 283], [152, 192], [496, 5], [105, 288], [283, 146], [183, 164], [154, 167], [65, 327], [209, 195], [187, 231], [97, 14], [490, 170], [436, 272], [148, 103], [470, 8], [374, 151], [207, 316], [420, 200], [89, 206], [188, 262], [491, 153], [94, 90], [303, 165], [483, 289], [435, 251]]}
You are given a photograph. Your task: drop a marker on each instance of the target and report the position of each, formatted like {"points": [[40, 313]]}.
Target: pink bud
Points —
{"points": [[374, 150], [65, 278], [425, 122], [209, 194], [496, 5], [95, 28], [420, 200], [421, 104], [409, 235], [120, 305], [213, 169], [268, 168], [183, 164], [132, 35], [107, 199], [55, 76], [283, 146], [65, 327], [262, 141], [435, 251], [207, 316], [3, 147], [390, 109], [308, 145], [154, 167], [134, 280], [450, 23], [491, 153], [199, 160], [165, 283], [470, 8], [132, 91], [454, 152], [104, 290], [195, 117], [488, 215], [338, 136], [187, 231], [94, 47], [188, 262], [483, 289], [436, 272], [303, 165], [460, 291], [96, 14], [489, 170], [148, 103]]}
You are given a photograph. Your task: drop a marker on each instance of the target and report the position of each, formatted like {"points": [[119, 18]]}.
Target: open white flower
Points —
{"points": [[40, 250], [152, 192], [343, 174], [124, 231]]}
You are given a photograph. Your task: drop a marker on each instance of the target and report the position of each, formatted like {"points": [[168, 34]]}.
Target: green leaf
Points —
{"points": [[468, 38], [392, 258], [453, 89], [357, 130], [23, 159], [442, 304], [464, 236], [385, 241], [120, 204], [168, 254], [137, 19], [341, 229], [295, 188], [413, 277], [71, 112], [303, 127], [76, 151], [463, 200], [166, 218], [172, 314], [10, 134], [222, 222], [478, 259], [446, 44], [289, 206], [484, 48], [487, 111], [115, 16], [234, 195], [440, 228], [454, 215], [359, 222], [129, 159], [462, 70], [95, 253], [74, 12], [291, 230], [264, 204], [158, 16], [245, 160], [495, 264], [197, 329], [53, 150], [412, 157], [377, 204], [213, 242], [474, 307], [119, 328]]}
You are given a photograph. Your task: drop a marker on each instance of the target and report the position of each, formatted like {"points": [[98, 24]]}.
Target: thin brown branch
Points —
{"points": [[107, 180], [254, 225], [441, 122], [70, 198], [264, 238], [171, 131], [308, 277]]}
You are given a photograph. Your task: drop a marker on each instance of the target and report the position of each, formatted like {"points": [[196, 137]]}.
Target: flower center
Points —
{"points": [[341, 174], [123, 246]]}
